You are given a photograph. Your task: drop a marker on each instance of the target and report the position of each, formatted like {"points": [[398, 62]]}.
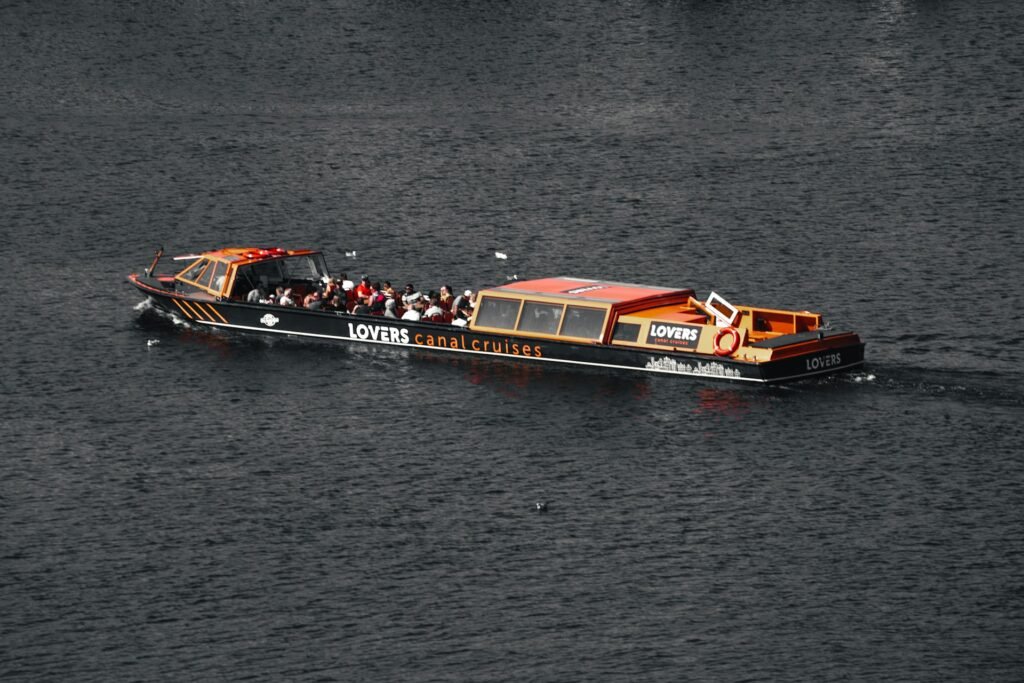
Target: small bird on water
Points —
{"points": [[541, 506]]}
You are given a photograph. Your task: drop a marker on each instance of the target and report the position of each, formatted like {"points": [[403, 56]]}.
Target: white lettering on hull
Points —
{"points": [[677, 335], [824, 361], [378, 333], [674, 332]]}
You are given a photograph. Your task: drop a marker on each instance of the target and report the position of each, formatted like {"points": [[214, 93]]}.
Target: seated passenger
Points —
{"points": [[255, 296], [434, 311], [286, 298], [389, 308], [445, 299], [361, 309], [331, 285], [414, 311], [364, 288], [463, 301], [463, 307], [410, 295], [346, 284], [313, 300], [268, 296], [333, 304], [388, 291]]}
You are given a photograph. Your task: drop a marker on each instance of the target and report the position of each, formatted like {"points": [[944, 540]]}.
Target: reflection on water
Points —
{"points": [[519, 380], [722, 401]]}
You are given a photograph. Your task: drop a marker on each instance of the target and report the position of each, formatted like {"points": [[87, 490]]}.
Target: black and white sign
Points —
{"points": [[673, 334]]}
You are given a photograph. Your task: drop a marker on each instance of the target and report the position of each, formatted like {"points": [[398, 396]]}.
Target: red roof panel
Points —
{"points": [[589, 290]]}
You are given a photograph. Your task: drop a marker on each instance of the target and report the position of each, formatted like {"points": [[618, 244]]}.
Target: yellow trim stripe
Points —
{"points": [[178, 304], [202, 309], [216, 312], [192, 307]]}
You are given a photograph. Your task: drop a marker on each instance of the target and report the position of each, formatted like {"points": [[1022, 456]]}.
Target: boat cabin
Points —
{"points": [[578, 310], [638, 316], [232, 273]]}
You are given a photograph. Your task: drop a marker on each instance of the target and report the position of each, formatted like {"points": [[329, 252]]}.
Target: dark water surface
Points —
{"points": [[209, 508]]}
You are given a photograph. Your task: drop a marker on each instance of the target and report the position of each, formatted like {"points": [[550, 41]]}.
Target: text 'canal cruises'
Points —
{"points": [[559, 319]]}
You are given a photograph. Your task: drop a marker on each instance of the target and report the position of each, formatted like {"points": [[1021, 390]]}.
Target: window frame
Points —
{"points": [[634, 340], [550, 304], [219, 269], [484, 299], [565, 317], [184, 276]]}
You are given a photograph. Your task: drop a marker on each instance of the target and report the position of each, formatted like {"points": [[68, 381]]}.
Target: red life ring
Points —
{"points": [[735, 344]]}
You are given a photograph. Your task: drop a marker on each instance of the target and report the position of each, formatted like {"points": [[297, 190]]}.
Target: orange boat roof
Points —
{"points": [[253, 254], [598, 291]]}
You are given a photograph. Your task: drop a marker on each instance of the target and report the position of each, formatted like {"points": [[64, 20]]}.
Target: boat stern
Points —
{"points": [[808, 354]]}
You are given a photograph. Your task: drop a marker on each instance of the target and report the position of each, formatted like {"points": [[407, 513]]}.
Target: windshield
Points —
{"points": [[311, 267], [287, 271]]}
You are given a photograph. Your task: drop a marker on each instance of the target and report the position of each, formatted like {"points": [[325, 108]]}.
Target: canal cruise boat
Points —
{"points": [[565, 320]]}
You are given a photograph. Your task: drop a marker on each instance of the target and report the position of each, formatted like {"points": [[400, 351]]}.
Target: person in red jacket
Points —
{"points": [[364, 288]]}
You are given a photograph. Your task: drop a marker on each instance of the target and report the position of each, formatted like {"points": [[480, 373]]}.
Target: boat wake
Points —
{"points": [[148, 312], [995, 389], [990, 387]]}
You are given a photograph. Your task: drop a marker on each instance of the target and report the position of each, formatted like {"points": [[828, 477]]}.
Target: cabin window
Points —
{"points": [[538, 317], [581, 321], [216, 274], [266, 275], [626, 332], [196, 271], [500, 313], [311, 267]]}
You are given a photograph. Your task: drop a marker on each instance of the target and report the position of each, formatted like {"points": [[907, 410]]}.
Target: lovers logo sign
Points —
{"points": [[671, 334]]}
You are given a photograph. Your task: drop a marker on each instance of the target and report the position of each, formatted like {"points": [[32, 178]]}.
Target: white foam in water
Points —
{"points": [[864, 378]]}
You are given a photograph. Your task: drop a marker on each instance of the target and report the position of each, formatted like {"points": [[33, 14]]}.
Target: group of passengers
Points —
{"points": [[374, 298]]}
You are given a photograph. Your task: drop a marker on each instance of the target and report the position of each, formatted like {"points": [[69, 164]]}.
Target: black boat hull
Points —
{"points": [[445, 338]]}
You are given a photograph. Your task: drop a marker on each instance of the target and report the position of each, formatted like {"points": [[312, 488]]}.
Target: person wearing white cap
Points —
{"points": [[462, 305]]}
